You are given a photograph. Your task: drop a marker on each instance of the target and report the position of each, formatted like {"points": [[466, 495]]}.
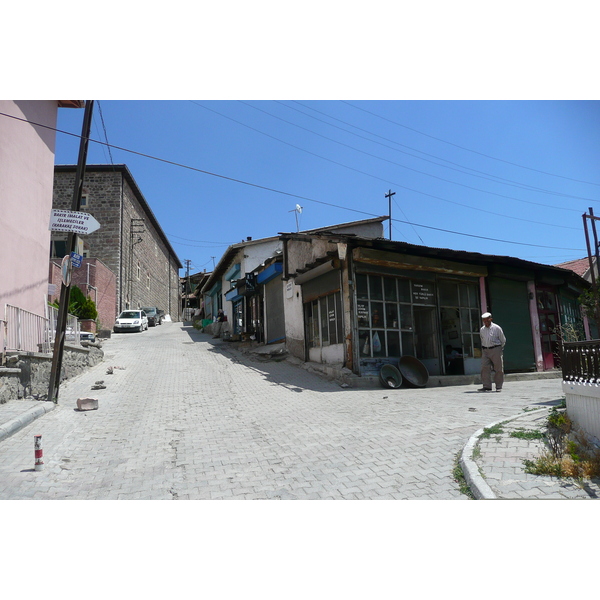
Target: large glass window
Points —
{"points": [[324, 321], [385, 312], [460, 319]]}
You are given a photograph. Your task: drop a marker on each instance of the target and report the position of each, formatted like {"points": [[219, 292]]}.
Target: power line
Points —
{"points": [[468, 149], [490, 177], [105, 136], [201, 241], [537, 222], [289, 194], [402, 166]]}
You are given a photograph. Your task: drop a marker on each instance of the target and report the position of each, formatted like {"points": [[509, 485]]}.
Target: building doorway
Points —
{"points": [[548, 316]]}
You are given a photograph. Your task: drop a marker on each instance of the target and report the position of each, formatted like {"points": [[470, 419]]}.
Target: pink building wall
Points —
{"points": [[26, 181]]}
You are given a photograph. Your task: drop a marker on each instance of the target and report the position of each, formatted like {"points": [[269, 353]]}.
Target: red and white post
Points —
{"points": [[39, 453]]}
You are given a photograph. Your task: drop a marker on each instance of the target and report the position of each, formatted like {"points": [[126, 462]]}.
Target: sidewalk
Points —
{"points": [[493, 466]]}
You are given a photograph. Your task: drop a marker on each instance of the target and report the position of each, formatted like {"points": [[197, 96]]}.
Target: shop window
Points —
{"points": [[324, 321], [460, 320], [362, 287], [404, 290], [389, 289], [385, 310], [375, 292]]}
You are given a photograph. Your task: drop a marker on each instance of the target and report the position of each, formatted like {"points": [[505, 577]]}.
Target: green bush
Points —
{"points": [[88, 310], [76, 301], [79, 305]]}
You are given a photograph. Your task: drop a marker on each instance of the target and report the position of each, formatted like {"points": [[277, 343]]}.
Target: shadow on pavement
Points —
{"points": [[277, 370]]}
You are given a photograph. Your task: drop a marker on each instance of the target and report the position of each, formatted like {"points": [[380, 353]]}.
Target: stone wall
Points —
{"points": [[145, 267], [27, 374]]}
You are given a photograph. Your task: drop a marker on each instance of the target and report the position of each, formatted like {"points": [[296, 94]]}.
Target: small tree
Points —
{"points": [[88, 310]]}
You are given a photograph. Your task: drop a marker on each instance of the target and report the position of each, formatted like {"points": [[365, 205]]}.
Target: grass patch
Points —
{"points": [[494, 430], [459, 478], [527, 434]]}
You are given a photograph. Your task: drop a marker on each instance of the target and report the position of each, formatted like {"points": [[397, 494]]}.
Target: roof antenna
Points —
{"points": [[298, 211]]}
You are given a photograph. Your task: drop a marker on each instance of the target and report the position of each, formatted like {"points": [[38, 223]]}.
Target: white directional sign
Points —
{"points": [[72, 221]]}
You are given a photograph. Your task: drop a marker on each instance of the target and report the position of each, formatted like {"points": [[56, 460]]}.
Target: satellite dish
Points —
{"points": [[298, 209]]}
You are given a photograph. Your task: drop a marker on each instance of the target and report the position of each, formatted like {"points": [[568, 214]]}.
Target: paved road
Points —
{"points": [[185, 417]]}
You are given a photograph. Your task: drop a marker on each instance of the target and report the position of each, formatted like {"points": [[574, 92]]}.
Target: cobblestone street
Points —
{"points": [[186, 417]]}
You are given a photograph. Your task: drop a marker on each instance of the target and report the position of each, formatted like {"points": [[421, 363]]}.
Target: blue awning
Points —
{"points": [[231, 274], [233, 295], [270, 273]]}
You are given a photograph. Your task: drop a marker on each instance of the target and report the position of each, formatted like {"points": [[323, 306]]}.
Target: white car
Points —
{"points": [[131, 320]]}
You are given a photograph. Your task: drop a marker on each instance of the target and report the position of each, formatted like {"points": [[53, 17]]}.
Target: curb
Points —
{"points": [[480, 489], [16, 424]]}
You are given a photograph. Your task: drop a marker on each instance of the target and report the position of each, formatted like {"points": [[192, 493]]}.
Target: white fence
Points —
{"points": [[27, 332]]}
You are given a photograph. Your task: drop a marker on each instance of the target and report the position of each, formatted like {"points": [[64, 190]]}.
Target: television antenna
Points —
{"points": [[298, 210]]}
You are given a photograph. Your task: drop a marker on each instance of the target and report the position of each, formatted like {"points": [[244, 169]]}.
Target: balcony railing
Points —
{"points": [[581, 361]]}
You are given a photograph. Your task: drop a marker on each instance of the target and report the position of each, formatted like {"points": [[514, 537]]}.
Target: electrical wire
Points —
{"points": [[105, 135], [410, 168], [468, 149], [488, 176], [289, 194], [476, 208]]}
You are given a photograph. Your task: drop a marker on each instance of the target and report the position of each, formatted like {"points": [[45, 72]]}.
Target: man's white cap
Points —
{"points": [[486, 315]]}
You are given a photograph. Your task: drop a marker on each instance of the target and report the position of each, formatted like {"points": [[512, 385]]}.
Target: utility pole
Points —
{"points": [[389, 197], [593, 219], [65, 290]]}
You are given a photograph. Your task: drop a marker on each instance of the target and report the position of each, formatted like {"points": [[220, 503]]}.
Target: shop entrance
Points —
{"points": [[460, 325], [548, 316]]}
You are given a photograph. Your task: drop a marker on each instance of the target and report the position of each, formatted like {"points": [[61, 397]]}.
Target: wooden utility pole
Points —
{"points": [[65, 291], [593, 219], [389, 197]]}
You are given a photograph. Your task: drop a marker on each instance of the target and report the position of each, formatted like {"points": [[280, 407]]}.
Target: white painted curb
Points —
{"points": [[16, 424], [480, 489]]}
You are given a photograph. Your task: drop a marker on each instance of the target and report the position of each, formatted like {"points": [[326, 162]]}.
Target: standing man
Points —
{"points": [[492, 346]]}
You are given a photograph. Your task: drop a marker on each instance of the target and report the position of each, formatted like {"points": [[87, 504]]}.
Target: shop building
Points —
{"points": [[361, 302]]}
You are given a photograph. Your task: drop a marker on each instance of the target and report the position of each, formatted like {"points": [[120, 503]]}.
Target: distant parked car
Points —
{"points": [[87, 336], [131, 320], [154, 315]]}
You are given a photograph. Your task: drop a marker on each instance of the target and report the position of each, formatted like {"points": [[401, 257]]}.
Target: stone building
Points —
{"points": [[130, 241]]}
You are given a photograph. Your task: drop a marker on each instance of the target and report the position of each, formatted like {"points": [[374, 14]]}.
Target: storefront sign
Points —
{"points": [[423, 293]]}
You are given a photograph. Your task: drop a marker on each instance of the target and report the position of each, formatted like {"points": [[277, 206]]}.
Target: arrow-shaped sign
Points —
{"points": [[73, 221]]}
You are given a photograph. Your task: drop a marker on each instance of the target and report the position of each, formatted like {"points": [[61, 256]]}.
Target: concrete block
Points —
{"points": [[87, 404]]}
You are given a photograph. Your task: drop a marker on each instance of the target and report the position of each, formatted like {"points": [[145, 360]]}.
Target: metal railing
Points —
{"points": [[71, 333], [581, 361], [27, 332], [2, 338]]}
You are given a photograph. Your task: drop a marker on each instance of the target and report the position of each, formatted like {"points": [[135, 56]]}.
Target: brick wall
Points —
{"points": [[98, 276]]}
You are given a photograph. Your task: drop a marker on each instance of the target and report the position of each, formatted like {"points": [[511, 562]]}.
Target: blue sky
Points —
{"points": [[509, 178]]}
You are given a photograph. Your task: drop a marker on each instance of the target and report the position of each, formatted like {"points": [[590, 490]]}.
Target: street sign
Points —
{"points": [[76, 259], [72, 221]]}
